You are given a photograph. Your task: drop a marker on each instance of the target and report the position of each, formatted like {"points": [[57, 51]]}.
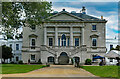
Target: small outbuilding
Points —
{"points": [[112, 56]]}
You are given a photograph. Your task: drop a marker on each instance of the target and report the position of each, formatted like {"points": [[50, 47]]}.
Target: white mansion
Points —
{"points": [[65, 37]]}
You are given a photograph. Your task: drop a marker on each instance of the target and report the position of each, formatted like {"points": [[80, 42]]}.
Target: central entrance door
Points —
{"points": [[63, 58]]}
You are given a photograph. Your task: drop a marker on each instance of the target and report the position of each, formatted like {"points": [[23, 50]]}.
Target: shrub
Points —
{"points": [[12, 62], [20, 62], [88, 62]]}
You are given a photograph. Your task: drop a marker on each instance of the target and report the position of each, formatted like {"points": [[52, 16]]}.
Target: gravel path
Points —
{"points": [[54, 71]]}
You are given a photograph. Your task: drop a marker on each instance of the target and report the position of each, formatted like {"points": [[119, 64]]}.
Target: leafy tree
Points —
{"points": [[88, 62], [6, 52], [16, 14], [117, 47]]}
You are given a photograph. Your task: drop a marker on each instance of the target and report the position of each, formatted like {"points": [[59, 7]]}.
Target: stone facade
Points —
{"points": [[66, 37]]}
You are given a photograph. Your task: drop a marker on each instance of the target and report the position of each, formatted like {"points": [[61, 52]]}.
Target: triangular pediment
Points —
{"points": [[65, 16]]}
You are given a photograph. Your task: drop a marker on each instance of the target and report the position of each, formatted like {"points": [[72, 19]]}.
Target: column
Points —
{"points": [[45, 35], [56, 36], [71, 36], [82, 35]]}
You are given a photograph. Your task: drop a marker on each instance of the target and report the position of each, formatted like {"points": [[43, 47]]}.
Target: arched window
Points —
{"points": [[63, 54], [63, 40]]}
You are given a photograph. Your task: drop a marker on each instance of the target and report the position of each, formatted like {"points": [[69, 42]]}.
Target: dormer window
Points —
{"points": [[93, 27]]}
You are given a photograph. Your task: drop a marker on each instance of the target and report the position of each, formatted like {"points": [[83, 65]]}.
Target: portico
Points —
{"points": [[68, 32]]}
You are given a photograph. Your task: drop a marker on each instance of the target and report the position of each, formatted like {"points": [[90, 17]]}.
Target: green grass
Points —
{"points": [[103, 71], [17, 68]]}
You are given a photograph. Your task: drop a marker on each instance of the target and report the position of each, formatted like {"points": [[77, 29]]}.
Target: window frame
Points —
{"points": [[78, 42], [17, 48], [93, 41], [63, 41], [68, 41], [32, 46], [49, 41], [94, 28], [34, 57], [58, 41], [111, 59]]}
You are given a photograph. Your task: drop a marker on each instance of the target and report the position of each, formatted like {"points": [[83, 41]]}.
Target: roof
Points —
{"points": [[82, 16], [113, 54]]}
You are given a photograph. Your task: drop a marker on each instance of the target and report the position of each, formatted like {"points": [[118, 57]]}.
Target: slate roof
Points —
{"points": [[83, 16], [113, 54]]}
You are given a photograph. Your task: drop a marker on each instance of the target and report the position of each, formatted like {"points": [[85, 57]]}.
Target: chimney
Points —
{"points": [[63, 9], [83, 10], [102, 17]]}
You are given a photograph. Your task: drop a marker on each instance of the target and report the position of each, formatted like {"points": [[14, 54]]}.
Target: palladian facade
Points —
{"points": [[64, 38]]}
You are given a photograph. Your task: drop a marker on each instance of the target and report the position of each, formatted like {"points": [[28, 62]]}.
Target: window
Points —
{"points": [[17, 46], [11, 45], [32, 57], [58, 41], [76, 41], [50, 41], [93, 27], [63, 40], [94, 42], [33, 44], [51, 59], [111, 46], [17, 58], [68, 41], [111, 59]]}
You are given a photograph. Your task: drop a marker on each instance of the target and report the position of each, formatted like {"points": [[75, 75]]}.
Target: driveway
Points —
{"points": [[55, 71]]}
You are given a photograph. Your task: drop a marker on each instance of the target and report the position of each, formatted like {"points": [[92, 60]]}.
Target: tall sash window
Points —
{"points": [[63, 40]]}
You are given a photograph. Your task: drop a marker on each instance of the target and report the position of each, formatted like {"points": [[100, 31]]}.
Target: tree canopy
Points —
{"points": [[16, 14], [116, 48]]}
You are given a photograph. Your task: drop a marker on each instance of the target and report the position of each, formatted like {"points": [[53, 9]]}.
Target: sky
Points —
{"points": [[109, 11]]}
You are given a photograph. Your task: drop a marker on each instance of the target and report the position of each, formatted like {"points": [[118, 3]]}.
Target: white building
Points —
{"points": [[111, 43], [16, 45], [64, 37]]}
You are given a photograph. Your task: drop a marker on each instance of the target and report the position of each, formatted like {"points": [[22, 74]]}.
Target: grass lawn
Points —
{"points": [[17, 68], [103, 71]]}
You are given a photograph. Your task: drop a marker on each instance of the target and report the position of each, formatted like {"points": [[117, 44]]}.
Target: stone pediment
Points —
{"points": [[64, 16]]}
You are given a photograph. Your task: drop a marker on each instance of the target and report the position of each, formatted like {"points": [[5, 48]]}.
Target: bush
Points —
{"points": [[12, 62], [88, 62], [20, 62]]}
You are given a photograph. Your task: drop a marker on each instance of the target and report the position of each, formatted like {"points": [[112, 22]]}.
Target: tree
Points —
{"points": [[6, 52], [117, 47], [16, 14]]}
